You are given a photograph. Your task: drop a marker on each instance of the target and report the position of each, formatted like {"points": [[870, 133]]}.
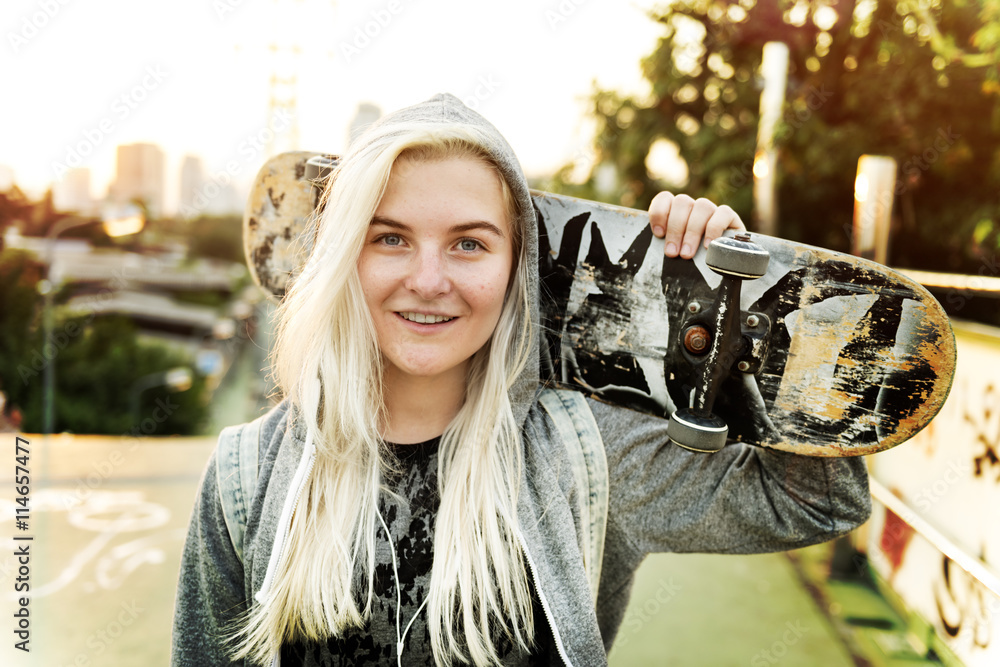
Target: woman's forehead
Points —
{"points": [[454, 186], [407, 163]]}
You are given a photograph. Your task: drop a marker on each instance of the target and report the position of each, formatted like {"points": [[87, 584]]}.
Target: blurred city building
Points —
{"points": [[139, 177], [204, 193], [192, 179], [228, 201], [72, 193]]}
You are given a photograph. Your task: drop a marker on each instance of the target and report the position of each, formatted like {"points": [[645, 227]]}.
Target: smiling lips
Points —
{"points": [[423, 318]]}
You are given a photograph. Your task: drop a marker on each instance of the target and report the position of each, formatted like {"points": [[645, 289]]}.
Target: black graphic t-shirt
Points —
{"points": [[411, 526]]}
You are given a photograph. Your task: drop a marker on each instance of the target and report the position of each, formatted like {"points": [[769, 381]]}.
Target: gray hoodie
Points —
{"points": [[663, 498]]}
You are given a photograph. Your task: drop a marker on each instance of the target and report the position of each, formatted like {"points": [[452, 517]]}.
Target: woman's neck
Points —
{"points": [[419, 408]]}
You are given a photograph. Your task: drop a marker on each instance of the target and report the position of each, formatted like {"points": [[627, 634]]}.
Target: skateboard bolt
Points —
{"points": [[697, 339], [742, 237], [744, 366], [753, 321], [694, 307]]}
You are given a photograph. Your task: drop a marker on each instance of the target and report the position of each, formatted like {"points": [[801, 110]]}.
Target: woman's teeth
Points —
{"points": [[420, 318]]}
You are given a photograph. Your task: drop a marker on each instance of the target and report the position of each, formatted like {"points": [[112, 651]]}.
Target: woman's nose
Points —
{"points": [[429, 275]]}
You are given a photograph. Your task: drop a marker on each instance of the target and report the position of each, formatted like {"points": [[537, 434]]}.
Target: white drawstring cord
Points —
{"points": [[400, 638]]}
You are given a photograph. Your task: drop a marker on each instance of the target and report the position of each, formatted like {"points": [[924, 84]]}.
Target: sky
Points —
{"points": [[193, 76]]}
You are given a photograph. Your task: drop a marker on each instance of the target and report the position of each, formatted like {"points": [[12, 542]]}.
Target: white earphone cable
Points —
{"points": [[400, 638]]}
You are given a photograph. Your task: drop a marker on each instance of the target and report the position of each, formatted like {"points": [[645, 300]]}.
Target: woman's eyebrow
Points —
{"points": [[455, 229], [477, 224], [388, 222]]}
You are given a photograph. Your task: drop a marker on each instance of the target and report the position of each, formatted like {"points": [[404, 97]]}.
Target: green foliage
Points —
{"points": [[96, 383], [98, 361], [202, 298], [14, 207], [914, 81], [19, 274]]}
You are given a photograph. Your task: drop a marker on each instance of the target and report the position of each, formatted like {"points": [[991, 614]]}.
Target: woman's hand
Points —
{"points": [[686, 221]]}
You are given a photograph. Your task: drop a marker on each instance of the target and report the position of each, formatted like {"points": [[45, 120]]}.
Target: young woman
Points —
{"points": [[414, 504]]}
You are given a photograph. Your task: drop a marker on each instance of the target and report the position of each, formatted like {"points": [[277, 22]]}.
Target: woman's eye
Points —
{"points": [[391, 239], [469, 245]]}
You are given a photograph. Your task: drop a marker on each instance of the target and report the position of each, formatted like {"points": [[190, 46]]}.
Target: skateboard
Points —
{"points": [[757, 339]]}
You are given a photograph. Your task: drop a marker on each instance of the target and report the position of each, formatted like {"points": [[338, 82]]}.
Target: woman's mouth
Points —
{"points": [[423, 318]]}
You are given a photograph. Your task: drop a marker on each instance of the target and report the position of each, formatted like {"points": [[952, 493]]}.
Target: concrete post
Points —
{"points": [[774, 69], [874, 190]]}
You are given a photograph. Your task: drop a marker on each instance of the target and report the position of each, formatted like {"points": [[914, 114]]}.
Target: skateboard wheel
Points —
{"points": [[699, 434], [738, 257]]}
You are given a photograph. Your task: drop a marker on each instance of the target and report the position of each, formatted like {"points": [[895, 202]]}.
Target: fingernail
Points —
{"points": [[686, 250], [657, 231], [671, 249]]}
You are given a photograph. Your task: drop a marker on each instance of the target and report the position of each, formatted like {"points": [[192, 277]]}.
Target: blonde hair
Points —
{"points": [[478, 582]]}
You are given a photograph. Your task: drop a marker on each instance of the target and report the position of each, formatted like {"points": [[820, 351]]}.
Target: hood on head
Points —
{"points": [[446, 109]]}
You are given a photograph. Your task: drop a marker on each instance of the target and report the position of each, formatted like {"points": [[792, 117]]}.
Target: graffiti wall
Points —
{"points": [[949, 475]]}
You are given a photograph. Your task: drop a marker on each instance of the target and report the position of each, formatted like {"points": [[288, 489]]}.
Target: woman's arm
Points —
{"points": [[210, 592], [742, 499]]}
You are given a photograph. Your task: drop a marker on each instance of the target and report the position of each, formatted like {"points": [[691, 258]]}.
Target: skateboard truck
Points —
{"points": [[319, 167], [736, 259]]}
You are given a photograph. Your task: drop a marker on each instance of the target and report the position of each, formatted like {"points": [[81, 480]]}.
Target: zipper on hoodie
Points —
{"points": [[544, 601]]}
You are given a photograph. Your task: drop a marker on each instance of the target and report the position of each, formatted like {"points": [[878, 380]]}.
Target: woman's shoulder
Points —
{"points": [[580, 412], [268, 430], [608, 416]]}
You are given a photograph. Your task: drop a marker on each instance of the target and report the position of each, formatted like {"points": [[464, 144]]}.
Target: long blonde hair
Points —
{"points": [[479, 584]]}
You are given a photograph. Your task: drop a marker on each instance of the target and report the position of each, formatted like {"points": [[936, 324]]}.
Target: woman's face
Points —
{"points": [[436, 264]]}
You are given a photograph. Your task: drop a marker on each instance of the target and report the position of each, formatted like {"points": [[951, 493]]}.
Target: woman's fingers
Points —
{"points": [[722, 219], [684, 222], [694, 229], [668, 214], [659, 209]]}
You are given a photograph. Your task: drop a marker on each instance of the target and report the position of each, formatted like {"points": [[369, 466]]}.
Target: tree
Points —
{"points": [[19, 274], [916, 82], [99, 361], [14, 208], [97, 378]]}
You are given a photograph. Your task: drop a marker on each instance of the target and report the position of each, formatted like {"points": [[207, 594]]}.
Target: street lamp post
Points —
{"points": [[120, 222], [48, 288]]}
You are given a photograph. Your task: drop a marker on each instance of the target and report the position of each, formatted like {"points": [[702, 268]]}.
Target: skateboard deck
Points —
{"points": [[832, 355]]}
